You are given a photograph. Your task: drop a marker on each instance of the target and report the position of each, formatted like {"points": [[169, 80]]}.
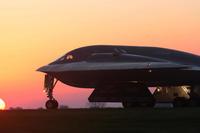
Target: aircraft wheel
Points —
{"points": [[194, 103], [129, 104], [180, 102], [150, 104], [51, 104]]}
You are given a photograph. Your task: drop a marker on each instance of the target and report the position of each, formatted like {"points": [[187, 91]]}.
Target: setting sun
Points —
{"points": [[2, 104]]}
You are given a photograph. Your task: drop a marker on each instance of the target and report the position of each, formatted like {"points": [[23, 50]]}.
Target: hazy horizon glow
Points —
{"points": [[34, 33]]}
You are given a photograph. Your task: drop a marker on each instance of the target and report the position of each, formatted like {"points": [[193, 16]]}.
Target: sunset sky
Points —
{"points": [[36, 32]]}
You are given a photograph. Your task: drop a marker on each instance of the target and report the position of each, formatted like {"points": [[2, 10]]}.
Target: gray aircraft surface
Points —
{"points": [[125, 74]]}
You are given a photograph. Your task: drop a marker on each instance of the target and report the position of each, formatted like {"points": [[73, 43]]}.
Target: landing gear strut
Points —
{"points": [[49, 85]]}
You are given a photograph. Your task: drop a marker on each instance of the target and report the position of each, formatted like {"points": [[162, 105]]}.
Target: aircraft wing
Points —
{"points": [[138, 65], [84, 66]]}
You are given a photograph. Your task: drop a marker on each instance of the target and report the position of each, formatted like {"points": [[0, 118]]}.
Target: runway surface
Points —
{"points": [[140, 120]]}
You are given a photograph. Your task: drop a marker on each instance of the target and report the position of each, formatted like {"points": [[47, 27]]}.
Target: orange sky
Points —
{"points": [[35, 32]]}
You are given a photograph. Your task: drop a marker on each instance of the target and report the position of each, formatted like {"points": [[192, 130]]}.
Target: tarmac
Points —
{"points": [[118, 120]]}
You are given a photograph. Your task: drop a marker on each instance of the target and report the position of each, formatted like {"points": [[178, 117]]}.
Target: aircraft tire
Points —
{"points": [[150, 104], [129, 104], [51, 104], [180, 102], [194, 103]]}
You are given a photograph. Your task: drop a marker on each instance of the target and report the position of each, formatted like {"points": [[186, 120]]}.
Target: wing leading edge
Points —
{"points": [[88, 66]]}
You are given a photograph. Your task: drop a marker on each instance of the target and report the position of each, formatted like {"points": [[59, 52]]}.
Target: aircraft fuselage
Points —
{"points": [[91, 66], [123, 73]]}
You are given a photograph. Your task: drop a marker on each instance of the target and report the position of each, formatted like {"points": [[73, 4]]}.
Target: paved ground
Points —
{"points": [[139, 120]]}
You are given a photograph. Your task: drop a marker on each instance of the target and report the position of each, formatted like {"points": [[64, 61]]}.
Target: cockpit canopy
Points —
{"points": [[105, 53], [85, 54], [114, 55]]}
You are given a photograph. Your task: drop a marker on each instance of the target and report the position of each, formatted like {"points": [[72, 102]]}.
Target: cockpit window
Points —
{"points": [[62, 59], [69, 57]]}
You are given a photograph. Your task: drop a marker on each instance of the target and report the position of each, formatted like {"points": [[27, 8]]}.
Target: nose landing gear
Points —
{"points": [[51, 104], [49, 85]]}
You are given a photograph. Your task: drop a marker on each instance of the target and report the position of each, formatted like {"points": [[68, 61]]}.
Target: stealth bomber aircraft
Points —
{"points": [[125, 74]]}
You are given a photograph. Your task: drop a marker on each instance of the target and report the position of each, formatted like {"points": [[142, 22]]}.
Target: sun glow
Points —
{"points": [[2, 104]]}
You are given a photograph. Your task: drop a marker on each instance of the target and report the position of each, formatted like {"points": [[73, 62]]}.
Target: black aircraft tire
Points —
{"points": [[194, 103], [51, 104], [129, 104], [150, 104], [180, 102]]}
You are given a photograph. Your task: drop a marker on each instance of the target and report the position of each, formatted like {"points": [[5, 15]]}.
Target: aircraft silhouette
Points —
{"points": [[124, 73]]}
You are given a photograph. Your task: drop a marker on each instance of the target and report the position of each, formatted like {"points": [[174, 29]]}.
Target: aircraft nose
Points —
{"points": [[43, 69]]}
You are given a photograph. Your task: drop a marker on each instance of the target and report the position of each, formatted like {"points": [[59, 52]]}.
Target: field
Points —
{"points": [[139, 120]]}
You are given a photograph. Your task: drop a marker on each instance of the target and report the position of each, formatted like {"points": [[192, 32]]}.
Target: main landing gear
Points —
{"points": [[49, 85]]}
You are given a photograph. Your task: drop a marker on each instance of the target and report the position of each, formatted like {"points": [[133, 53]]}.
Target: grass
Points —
{"points": [[139, 120]]}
